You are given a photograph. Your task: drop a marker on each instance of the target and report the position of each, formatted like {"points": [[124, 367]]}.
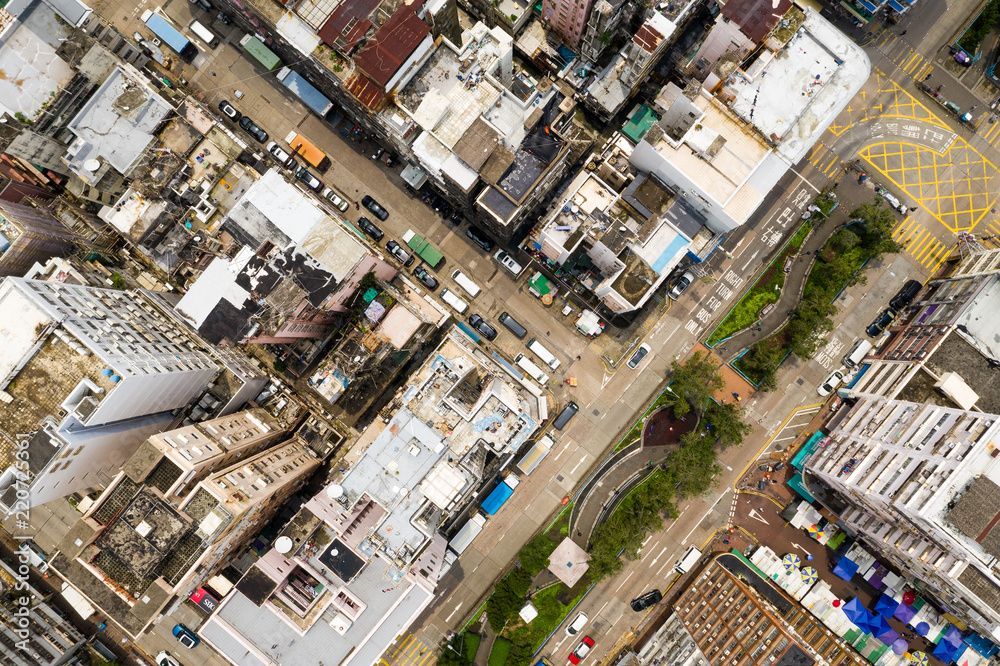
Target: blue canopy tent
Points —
{"points": [[845, 568], [886, 606], [859, 615], [946, 652], [905, 613], [983, 646], [884, 631]]}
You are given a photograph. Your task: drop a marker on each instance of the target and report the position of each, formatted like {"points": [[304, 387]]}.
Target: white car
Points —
{"points": [[284, 159], [337, 202], [637, 357], [508, 262], [577, 624], [831, 383], [680, 285], [166, 659]]}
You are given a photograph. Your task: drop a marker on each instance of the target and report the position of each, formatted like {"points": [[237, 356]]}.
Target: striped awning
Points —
{"points": [[897, 6], [867, 5]]}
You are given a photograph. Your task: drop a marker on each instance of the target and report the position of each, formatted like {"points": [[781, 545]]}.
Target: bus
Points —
{"points": [[265, 56], [305, 149]]}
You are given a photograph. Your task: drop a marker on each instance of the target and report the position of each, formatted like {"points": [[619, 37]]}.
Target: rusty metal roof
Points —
{"points": [[391, 45], [365, 90], [755, 17]]}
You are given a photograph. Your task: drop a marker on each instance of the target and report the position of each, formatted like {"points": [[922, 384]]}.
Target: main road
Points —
{"points": [[610, 399]]}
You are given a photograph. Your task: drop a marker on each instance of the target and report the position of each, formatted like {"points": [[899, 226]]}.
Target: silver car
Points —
{"points": [[680, 284], [337, 202], [508, 262]]}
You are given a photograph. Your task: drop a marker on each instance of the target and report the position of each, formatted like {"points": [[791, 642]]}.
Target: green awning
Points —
{"points": [[541, 284]]}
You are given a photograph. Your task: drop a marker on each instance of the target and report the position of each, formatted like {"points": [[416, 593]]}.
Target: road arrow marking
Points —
{"points": [[757, 516], [752, 257], [448, 619], [607, 378], [799, 547]]}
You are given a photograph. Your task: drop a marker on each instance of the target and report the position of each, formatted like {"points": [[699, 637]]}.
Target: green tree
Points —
{"points": [[507, 598], [727, 424], [279, 366], [694, 382], [535, 554], [810, 325], [876, 229], [453, 653], [694, 465]]}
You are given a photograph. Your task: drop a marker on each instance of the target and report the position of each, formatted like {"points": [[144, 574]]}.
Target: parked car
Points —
{"points": [[166, 659], [378, 153], [637, 357], [375, 207], [309, 180], [582, 650], [204, 4], [680, 284], [254, 130], [337, 202], [396, 250], [276, 151], [229, 112], [881, 323], [369, 228], [483, 328], [185, 636], [905, 295], [578, 623], [643, 602], [508, 262], [426, 278], [479, 237], [831, 383]]}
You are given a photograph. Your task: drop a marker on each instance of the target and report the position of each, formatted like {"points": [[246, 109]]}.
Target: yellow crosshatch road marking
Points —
{"points": [[957, 187], [891, 102]]}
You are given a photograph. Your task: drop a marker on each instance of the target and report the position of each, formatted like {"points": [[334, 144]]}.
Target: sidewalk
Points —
{"points": [[851, 194]]}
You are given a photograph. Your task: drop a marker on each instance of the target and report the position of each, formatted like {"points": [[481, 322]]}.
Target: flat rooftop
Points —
{"points": [[273, 209], [956, 355], [33, 72], [469, 398], [242, 630], [447, 95], [116, 124], [798, 92]]}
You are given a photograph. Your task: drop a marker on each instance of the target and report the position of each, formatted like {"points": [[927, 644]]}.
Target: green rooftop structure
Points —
{"points": [[640, 122]]}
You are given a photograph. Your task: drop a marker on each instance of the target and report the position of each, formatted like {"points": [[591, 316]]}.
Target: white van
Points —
{"points": [[547, 357], [203, 33], [690, 559], [858, 352], [467, 285], [531, 369], [454, 301]]}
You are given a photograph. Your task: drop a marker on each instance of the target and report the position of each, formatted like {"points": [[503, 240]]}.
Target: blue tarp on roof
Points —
{"points": [[845, 568], [496, 499], [983, 646]]}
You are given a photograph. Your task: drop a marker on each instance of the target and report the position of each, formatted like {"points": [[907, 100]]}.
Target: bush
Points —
{"points": [[726, 423], [693, 383], [498, 655], [471, 647], [535, 554], [694, 465], [507, 598]]}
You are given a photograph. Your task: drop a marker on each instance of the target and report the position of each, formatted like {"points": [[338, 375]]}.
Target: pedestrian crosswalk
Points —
{"points": [[824, 159], [921, 244], [906, 58], [990, 132]]}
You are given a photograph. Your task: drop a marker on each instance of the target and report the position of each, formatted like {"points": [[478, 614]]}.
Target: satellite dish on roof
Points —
{"points": [[92, 165], [334, 491], [283, 544]]}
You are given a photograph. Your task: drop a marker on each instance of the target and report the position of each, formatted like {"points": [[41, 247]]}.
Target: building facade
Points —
{"points": [[29, 234]]}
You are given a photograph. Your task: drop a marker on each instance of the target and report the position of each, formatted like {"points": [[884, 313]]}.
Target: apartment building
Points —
{"points": [[920, 484], [182, 506], [87, 374], [29, 235]]}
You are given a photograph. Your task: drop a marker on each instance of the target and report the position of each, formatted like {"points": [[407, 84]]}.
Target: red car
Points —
{"points": [[582, 650]]}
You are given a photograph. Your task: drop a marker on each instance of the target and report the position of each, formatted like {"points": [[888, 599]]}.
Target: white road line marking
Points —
{"points": [[578, 464], [624, 581], [659, 556], [448, 619]]}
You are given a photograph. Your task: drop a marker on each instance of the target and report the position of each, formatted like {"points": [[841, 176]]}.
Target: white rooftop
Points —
{"points": [[116, 124], [18, 331], [798, 92], [32, 72], [336, 248], [217, 282], [287, 208]]}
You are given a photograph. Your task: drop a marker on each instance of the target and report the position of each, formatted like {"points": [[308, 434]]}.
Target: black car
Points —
{"points": [[881, 323], [251, 128], [229, 112], [651, 598], [375, 207], [396, 250], [426, 278], [370, 229], [480, 238], [309, 180], [905, 295], [484, 329]]}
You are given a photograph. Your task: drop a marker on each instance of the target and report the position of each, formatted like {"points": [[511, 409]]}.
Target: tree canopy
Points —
{"points": [[693, 382]]}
